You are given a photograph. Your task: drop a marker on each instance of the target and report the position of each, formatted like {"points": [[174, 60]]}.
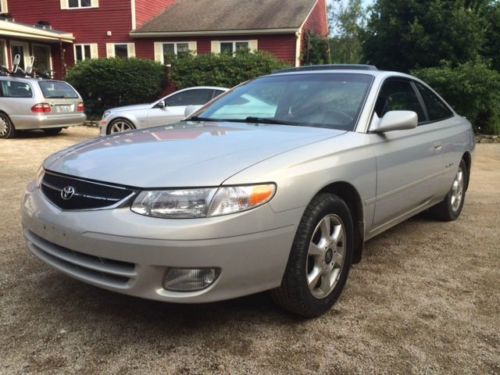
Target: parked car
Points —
{"points": [[29, 104], [226, 204], [167, 110]]}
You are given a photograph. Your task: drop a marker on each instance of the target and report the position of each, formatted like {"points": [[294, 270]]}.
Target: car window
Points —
{"points": [[217, 93], [436, 109], [57, 90], [190, 97], [14, 89], [399, 95]]}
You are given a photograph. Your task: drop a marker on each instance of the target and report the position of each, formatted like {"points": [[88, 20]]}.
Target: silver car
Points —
{"points": [[167, 110], [30, 104], [274, 186]]}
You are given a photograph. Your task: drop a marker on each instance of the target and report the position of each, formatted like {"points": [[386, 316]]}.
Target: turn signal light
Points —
{"points": [[41, 108]]}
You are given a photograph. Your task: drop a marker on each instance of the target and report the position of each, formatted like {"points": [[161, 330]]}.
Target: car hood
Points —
{"points": [[134, 107], [181, 155]]}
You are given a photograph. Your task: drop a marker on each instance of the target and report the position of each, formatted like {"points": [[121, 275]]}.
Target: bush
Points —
{"points": [[107, 83], [472, 89], [317, 50], [222, 70]]}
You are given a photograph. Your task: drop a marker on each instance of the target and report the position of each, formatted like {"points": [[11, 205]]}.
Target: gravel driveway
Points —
{"points": [[425, 299]]}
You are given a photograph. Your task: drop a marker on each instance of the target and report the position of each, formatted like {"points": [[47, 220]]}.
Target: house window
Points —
{"points": [[164, 50], [42, 54], [85, 51], [3, 6], [231, 47], [120, 50], [3, 53], [79, 4]]}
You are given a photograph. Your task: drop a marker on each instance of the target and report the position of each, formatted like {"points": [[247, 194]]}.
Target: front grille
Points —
{"points": [[71, 193], [107, 272]]}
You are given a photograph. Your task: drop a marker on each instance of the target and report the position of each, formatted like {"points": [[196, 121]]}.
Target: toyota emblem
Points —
{"points": [[67, 193]]}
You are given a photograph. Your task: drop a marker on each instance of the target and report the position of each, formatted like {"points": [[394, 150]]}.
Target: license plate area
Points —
{"points": [[64, 108]]}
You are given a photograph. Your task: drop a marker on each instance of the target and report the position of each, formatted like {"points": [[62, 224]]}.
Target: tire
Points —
{"points": [[311, 254], [7, 129], [119, 125], [52, 131], [450, 208]]}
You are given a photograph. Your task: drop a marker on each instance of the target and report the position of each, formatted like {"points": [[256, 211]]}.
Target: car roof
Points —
{"points": [[28, 79]]}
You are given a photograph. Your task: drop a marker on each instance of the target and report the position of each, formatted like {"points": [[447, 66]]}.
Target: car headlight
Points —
{"points": [[202, 202], [106, 114], [39, 176]]}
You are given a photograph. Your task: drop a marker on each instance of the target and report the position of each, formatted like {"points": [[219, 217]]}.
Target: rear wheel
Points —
{"points": [[53, 131], [320, 258], [7, 129], [119, 126], [451, 206]]}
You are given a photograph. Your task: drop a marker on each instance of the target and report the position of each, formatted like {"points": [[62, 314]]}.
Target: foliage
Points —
{"points": [[107, 83], [316, 51], [472, 89], [407, 34], [347, 19], [492, 43], [222, 70]]}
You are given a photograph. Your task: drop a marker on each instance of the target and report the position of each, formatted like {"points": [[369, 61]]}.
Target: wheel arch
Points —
{"points": [[351, 197], [117, 118]]}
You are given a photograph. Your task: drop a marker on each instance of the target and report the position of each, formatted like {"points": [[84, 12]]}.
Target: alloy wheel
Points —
{"points": [[120, 126], [326, 256], [4, 127], [457, 190]]}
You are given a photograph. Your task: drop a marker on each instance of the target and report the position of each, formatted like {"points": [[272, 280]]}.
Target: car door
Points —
{"points": [[408, 161], [175, 106]]}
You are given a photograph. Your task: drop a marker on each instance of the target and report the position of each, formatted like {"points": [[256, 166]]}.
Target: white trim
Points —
{"points": [[94, 51], [51, 66], [5, 53], [138, 34], [134, 15], [16, 30], [5, 6], [65, 5], [216, 45]]}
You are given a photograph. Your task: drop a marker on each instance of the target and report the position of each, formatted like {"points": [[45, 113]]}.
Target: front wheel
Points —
{"points": [[120, 126], [451, 206], [320, 258]]}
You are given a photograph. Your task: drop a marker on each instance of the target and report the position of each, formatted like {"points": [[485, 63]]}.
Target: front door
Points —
{"points": [[409, 162], [21, 49]]}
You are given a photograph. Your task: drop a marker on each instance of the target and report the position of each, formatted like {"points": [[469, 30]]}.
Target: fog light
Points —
{"points": [[189, 279]]}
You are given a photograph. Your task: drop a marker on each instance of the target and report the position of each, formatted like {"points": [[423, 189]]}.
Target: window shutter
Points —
{"points": [[193, 48], [94, 51], [5, 8], [253, 45], [131, 50], [159, 52], [110, 50], [64, 4], [94, 3], [215, 46]]}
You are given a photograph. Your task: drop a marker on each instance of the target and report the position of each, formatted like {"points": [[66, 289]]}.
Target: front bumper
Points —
{"points": [[124, 252]]}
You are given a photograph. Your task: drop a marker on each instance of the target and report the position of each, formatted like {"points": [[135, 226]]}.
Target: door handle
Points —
{"points": [[438, 146]]}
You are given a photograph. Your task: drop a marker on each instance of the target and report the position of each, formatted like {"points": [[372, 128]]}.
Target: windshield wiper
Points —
{"points": [[263, 120], [196, 118]]}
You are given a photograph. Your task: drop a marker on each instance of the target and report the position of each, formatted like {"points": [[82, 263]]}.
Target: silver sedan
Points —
{"points": [[274, 186], [168, 110]]}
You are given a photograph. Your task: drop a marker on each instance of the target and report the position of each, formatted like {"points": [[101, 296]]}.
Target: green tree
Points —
{"points": [[406, 34], [347, 19], [492, 44]]}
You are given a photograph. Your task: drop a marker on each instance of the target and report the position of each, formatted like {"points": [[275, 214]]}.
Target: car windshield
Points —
{"points": [[329, 100], [57, 90]]}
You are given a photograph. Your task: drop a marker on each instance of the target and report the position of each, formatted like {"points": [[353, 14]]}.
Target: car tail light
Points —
{"points": [[41, 108], [80, 107]]}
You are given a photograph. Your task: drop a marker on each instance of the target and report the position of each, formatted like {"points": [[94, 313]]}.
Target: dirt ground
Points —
{"points": [[425, 299]]}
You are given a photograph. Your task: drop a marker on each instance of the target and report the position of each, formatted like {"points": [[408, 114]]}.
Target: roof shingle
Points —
{"points": [[227, 15]]}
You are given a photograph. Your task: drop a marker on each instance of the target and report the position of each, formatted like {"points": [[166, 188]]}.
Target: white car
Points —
{"points": [[167, 110]]}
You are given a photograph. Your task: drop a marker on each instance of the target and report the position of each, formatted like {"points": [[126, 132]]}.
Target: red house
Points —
{"points": [[60, 33]]}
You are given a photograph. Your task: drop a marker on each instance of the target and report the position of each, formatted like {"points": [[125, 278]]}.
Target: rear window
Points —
{"points": [[15, 89], [57, 90]]}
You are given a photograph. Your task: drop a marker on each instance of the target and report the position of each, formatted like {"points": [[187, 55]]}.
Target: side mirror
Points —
{"points": [[190, 109], [396, 120], [161, 104]]}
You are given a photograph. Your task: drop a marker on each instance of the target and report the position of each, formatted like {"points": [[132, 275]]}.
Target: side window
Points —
{"points": [[14, 89], [436, 109], [399, 95], [217, 93], [191, 97]]}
